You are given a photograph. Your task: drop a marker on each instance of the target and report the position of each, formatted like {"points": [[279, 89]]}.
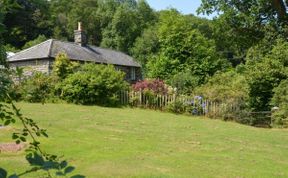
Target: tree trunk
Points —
{"points": [[280, 7]]}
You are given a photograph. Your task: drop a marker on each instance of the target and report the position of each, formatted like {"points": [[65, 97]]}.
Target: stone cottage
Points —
{"points": [[41, 57]]}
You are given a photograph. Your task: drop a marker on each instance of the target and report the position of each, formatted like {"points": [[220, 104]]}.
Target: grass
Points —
{"points": [[115, 142]]}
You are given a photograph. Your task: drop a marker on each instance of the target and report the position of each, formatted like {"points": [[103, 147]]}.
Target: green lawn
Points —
{"points": [[114, 142]]}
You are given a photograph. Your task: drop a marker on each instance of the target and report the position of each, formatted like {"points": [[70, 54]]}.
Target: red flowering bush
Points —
{"points": [[155, 86]]}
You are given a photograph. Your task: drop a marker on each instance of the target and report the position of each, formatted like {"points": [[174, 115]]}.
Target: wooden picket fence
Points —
{"points": [[201, 107], [261, 119], [196, 106]]}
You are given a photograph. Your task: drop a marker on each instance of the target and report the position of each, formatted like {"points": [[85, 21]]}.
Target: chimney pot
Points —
{"points": [[79, 26]]}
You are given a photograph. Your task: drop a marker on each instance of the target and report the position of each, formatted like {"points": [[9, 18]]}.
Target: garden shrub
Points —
{"points": [[37, 88], [63, 66], [155, 86], [195, 107], [151, 91], [185, 82], [280, 117], [229, 90], [5, 83], [93, 84], [280, 100], [18, 77], [176, 106]]}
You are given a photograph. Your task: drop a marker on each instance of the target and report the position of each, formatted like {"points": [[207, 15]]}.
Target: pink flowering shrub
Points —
{"points": [[155, 86]]}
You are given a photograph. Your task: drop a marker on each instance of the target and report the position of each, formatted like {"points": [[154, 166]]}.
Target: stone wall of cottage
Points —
{"points": [[39, 65], [45, 66]]}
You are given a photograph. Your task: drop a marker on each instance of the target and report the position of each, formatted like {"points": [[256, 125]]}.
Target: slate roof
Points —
{"points": [[50, 49]]}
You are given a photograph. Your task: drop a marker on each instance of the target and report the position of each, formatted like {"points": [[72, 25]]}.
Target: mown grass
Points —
{"points": [[115, 142]]}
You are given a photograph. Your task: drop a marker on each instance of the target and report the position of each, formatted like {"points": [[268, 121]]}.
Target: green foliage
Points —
{"points": [[106, 22], [126, 20], [10, 48], [145, 46], [193, 106], [2, 49], [66, 14], [37, 88], [15, 91], [2, 27], [62, 66], [230, 89], [280, 96], [280, 99], [38, 40], [183, 48], [5, 80], [266, 74], [243, 24], [280, 117], [5, 83], [3, 61], [93, 84], [249, 13], [25, 20], [185, 82], [176, 106]]}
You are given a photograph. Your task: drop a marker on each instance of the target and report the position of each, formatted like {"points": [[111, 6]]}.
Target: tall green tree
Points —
{"points": [[25, 20], [127, 24], [85, 11], [123, 30], [248, 12], [182, 47], [2, 50], [246, 22], [145, 46], [266, 74]]}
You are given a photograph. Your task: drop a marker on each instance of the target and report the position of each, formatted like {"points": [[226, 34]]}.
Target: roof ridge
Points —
{"points": [[66, 42], [50, 48]]}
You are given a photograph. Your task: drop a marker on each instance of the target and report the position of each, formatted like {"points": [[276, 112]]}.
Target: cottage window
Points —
{"points": [[117, 68], [133, 73]]}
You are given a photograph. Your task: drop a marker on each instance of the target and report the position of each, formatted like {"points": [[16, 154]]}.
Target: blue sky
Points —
{"points": [[184, 6]]}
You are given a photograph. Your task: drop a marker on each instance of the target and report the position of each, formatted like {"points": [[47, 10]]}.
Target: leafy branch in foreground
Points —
{"points": [[37, 158]]}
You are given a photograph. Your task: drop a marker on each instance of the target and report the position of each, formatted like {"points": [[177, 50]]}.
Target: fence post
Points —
{"points": [[121, 97], [127, 97], [140, 97]]}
